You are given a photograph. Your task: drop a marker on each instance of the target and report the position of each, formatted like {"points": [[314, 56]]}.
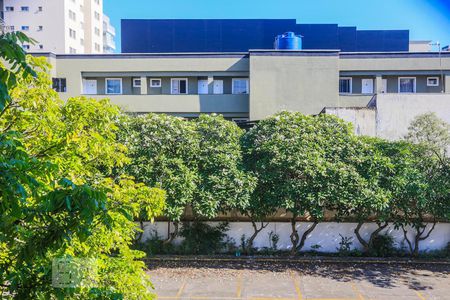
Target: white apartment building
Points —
{"points": [[58, 26], [109, 33]]}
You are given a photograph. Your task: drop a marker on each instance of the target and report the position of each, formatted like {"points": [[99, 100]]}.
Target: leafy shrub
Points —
{"points": [[315, 248], [345, 245], [201, 238], [273, 240], [156, 245], [383, 246]]}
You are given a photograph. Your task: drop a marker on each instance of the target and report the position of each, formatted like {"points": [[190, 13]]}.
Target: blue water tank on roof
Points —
{"points": [[288, 41]]}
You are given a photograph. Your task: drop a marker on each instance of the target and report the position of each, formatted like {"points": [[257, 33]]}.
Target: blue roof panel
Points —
{"points": [[240, 35]]}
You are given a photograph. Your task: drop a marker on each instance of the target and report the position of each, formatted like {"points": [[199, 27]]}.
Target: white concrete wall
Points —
{"points": [[326, 234], [363, 119], [396, 111]]}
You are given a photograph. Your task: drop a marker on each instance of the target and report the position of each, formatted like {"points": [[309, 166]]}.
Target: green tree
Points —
{"points": [[421, 183], [163, 153], [372, 191], [198, 163], [223, 185], [12, 62], [301, 165], [59, 196], [430, 132]]}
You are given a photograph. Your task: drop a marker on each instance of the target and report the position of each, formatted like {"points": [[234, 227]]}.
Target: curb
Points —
{"points": [[317, 259]]}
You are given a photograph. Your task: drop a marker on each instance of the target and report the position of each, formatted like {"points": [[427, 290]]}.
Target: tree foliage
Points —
{"points": [[162, 149], [372, 194], [198, 162], [422, 181], [430, 132], [12, 62], [301, 165], [61, 195], [222, 183]]}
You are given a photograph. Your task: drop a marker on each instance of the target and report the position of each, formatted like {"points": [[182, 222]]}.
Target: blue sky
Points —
{"points": [[426, 19]]}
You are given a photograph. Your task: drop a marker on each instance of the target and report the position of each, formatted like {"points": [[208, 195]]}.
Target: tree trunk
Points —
{"points": [[305, 235], [368, 245], [171, 235], [256, 231], [140, 234], [360, 238], [405, 236], [294, 236], [414, 249]]}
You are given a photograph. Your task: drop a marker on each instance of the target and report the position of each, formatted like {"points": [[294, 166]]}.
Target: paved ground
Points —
{"points": [[226, 280]]}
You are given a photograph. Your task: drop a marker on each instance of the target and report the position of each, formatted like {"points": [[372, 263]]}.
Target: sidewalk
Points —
{"points": [[268, 279]]}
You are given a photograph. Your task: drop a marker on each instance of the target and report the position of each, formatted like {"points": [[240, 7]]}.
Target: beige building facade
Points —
{"points": [[256, 84], [58, 26]]}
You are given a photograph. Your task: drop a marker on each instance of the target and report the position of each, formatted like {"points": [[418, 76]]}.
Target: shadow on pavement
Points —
{"points": [[380, 275]]}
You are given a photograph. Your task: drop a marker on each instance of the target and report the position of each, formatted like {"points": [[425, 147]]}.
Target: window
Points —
{"points": [[97, 15], [11, 28], [72, 50], [155, 82], [433, 81], [41, 47], [406, 84], [25, 28], [40, 8], [113, 86], [97, 31], [40, 28], [24, 8], [239, 86], [178, 86], [97, 47], [59, 84], [239, 120], [26, 47], [345, 85], [9, 8], [72, 33], [72, 15], [81, 41], [97, 1], [136, 82]]}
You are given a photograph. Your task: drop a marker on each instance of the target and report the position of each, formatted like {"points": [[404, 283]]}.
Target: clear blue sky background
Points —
{"points": [[426, 19]]}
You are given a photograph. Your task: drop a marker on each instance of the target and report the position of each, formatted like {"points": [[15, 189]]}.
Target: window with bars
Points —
{"points": [[345, 85], [72, 15], [59, 84], [72, 33], [407, 85]]}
